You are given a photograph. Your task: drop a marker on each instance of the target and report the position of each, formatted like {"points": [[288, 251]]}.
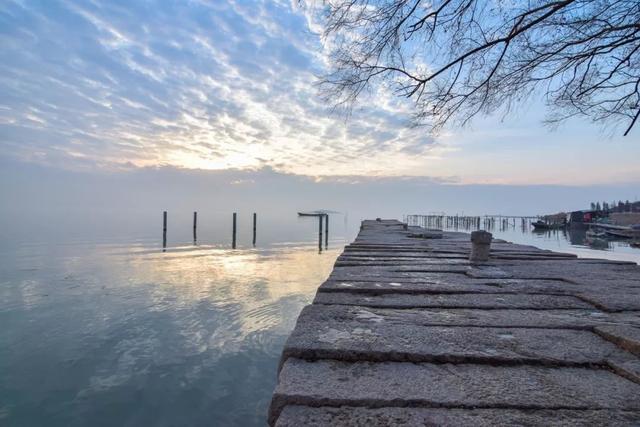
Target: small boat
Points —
{"points": [[541, 225]]}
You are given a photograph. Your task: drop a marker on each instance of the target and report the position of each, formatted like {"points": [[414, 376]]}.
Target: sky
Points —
{"points": [[119, 93], [191, 84], [231, 84]]}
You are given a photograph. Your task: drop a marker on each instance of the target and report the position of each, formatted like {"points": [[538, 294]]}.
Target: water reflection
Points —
{"points": [[582, 237], [579, 240], [131, 335]]}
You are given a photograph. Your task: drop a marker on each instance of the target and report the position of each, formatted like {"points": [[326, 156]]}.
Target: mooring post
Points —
{"points": [[233, 240], [195, 226], [254, 227], [480, 246], [164, 229], [320, 232], [326, 231]]}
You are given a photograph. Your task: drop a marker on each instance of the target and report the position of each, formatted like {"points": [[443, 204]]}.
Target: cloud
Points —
{"points": [[197, 84]]}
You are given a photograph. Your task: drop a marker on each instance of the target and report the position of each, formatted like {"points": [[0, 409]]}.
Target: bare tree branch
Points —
{"points": [[459, 58]]}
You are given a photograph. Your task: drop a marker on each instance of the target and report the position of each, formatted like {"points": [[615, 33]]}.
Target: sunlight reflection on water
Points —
{"points": [[129, 335]]}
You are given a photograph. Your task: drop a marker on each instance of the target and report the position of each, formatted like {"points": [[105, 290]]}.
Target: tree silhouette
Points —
{"points": [[459, 58]]}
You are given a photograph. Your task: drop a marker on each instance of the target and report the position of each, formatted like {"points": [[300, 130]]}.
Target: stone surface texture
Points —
{"points": [[407, 331]]}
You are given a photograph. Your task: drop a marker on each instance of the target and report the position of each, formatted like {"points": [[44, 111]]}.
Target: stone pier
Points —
{"points": [[407, 331]]}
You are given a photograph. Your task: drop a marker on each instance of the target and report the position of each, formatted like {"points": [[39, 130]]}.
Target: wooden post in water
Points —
{"points": [[233, 240], [320, 232], [164, 229], [195, 226], [254, 228], [326, 231]]}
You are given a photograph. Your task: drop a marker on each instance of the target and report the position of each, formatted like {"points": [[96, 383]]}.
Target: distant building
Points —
{"points": [[586, 216]]}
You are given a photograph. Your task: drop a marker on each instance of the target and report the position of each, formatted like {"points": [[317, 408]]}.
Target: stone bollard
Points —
{"points": [[480, 246]]}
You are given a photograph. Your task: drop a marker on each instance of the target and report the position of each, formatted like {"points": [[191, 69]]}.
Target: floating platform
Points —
{"points": [[406, 331], [311, 214]]}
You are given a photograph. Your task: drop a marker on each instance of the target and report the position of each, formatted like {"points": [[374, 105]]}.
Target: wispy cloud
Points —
{"points": [[196, 84]]}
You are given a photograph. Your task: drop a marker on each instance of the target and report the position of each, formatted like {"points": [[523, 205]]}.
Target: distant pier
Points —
{"points": [[407, 331], [462, 222]]}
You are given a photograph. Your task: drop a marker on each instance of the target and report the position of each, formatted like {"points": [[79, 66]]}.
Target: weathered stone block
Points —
{"points": [[350, 416], [375, 385], [451, 300]]}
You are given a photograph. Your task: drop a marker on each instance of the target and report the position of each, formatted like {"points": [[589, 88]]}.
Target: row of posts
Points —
{"points": [[195, 229], [321, 218], [443, 221], [468, 222]]}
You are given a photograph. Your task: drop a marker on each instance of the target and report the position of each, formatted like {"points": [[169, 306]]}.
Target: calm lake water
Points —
{"points": [[571, 239], [117, 332]]}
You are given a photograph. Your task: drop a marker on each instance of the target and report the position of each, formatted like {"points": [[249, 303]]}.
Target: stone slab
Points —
{"points": [[296, 416], [612, 300], [457, 300], [626, 337], [361, 338], [439, 283], [498, 318], [626, 366], [401, 286], [604, 275], [424, 253], [402, 271], [416, 263], [629, 284], [448, 245], [400, 254], [445, 278], [413, 263], [334, 383], [572, 270]]}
